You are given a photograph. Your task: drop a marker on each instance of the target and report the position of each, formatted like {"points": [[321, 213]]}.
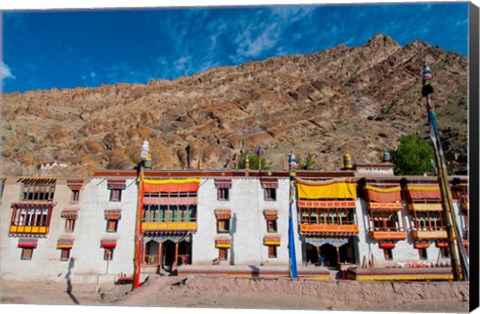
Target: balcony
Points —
{"points": [[28, 229], [169, 226], [388, 235], [329, 230], [429, 234]]}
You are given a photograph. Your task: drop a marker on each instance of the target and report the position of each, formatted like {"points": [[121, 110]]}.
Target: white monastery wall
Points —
{"points": [[91, 229]]}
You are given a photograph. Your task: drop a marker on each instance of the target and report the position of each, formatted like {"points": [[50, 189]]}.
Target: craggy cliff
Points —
{"points": [[358, 99]]}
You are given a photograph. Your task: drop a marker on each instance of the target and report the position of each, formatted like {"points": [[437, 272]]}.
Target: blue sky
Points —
{"points": [[67, 49]]}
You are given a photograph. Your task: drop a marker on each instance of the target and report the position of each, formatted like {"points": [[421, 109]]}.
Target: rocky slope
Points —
{"points": [[358, 99]]}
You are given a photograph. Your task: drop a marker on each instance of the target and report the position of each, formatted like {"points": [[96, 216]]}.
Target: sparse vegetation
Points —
{"points": [[253, 162]]}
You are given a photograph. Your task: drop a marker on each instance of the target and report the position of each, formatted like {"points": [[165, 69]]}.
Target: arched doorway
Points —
{"points": [[151, 253], [311, 253], [329, 254], [184, 253], [168, 254], [346, 253]]}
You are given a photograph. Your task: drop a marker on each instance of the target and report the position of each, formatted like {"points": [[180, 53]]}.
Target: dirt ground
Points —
{"points": [[243, 293]]}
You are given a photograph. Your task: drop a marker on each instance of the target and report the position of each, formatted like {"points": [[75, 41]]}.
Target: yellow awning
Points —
{"points": [[330, 189]]}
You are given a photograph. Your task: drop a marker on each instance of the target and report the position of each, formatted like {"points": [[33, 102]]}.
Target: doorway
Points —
{"points": [[151, 253], [311, 254], [184, 253], [328, 253], [168, 254]]}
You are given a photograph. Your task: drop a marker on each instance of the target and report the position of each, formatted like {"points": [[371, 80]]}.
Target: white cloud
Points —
{"points": [[257, 38], [5, 72], [292, 14]]}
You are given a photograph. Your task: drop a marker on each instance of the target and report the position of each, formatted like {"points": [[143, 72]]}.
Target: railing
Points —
{"points": [[151, 259], [329, 228], [388, 234], [429, 234], [192, 225], [29, 229]]}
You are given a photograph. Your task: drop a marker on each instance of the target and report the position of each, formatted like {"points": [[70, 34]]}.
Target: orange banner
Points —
{"points": [[189, 185]]}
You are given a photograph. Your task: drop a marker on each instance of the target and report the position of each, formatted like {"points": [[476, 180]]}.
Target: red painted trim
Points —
{"points": [[221, 174], [27, 245], [14, 214], [386, 245], [136, 283]]}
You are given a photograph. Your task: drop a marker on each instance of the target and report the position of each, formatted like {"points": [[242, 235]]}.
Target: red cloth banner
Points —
{"points": [[171, 186], [382, 197], [425, 194]]}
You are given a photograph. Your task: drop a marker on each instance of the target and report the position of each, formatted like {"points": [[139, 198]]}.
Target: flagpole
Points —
{"points": [[138, 227], [459, 272], [144, 155], [292, 164]]}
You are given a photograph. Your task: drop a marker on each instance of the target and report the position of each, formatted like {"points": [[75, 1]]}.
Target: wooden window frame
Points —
{"points": [[272, 225], [223, 225], [223, 194], [69, 224], [65, 254], [422, 254], [38, 192], [75, 196], [115, 195], [36, 216], [222, 254], [444, 252], [108, 254], [270, 194], [272, 251], [388, 254], [27, 254], [112, 225]]}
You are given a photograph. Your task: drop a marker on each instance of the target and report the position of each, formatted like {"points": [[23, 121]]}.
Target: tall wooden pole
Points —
{"points": [[145, 162], [138, 231], [459, 272]]}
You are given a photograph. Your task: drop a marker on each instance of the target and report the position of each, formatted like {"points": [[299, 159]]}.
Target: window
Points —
{"points": [[27, 253], [108, 255], [65, 254], [30, 215], [270, 194], [272, 251], [327, 216], [116, 186], [222, 194], [2, 186], [422, 254], [388, 254], [75, 195], [222, 254], [37, 191], [223, 225], [115, 195], [271, 225], [69, 224], [223, 186], [112, 225], [385, 221], [444, 252]]}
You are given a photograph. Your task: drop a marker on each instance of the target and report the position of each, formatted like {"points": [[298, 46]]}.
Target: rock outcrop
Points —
{"points": [[355, 99]]}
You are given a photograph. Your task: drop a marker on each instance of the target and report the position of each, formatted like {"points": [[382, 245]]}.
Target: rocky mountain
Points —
{"points": [[358, 99]]}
